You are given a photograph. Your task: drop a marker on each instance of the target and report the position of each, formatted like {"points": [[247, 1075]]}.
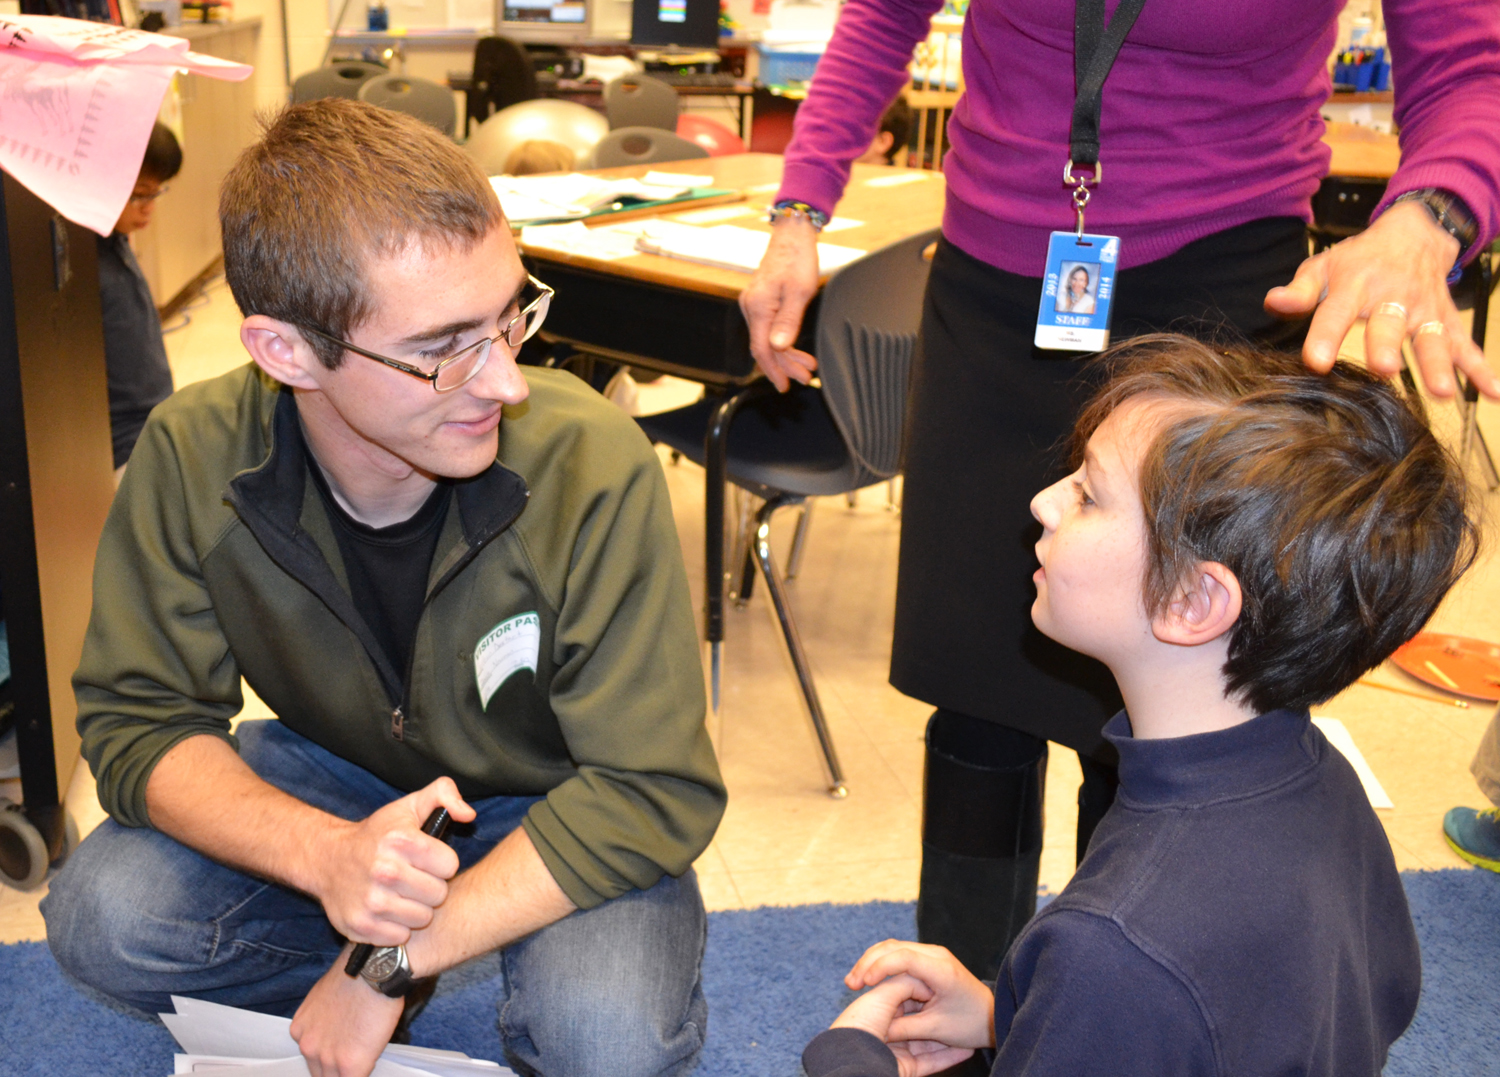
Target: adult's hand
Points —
{"points": [[776, 299], [344, 1024], [382, 877], [877, 1008], [958, 1011], [1394, 275]]}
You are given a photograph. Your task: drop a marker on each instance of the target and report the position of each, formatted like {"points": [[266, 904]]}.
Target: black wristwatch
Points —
{"points": [[1450, 212], [388, 972]]}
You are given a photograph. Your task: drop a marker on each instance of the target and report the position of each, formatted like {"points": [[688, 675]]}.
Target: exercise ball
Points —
{"points": [[712, 135], [574, 125]]}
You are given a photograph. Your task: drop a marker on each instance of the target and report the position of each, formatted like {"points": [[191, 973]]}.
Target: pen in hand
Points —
{"points": [[435, 826]]}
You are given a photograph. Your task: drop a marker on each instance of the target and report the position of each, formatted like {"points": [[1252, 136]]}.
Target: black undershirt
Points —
{"points": [[387, 567]]}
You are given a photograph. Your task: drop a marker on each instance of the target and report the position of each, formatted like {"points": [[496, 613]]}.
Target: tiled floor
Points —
{"points": [[784, 840]]}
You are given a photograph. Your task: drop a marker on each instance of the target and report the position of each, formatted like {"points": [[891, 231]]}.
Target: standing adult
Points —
{"points": [[1211, 130]]}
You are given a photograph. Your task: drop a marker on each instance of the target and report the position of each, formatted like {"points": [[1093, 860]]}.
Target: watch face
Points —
{"points": [[383, 964]]}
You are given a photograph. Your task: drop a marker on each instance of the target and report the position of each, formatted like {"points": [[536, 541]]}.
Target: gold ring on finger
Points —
{"points": [[1394, 309], [1437, 328]]}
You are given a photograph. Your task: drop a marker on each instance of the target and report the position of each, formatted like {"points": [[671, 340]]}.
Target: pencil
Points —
{"points": [[1449, 681], [1415, 695]]}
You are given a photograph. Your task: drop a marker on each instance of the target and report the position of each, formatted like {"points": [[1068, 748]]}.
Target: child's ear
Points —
{"points": [[1205, 607], [279, 349]]}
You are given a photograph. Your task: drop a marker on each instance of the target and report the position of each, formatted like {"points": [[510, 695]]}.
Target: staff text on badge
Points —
{"points": [[1077, 292]]}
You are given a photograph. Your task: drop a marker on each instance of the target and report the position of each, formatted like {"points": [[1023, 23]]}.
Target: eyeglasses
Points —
{"points": [[458, 369], [147, 199]]}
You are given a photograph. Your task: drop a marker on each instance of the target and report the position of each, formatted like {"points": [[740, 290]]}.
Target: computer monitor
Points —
{"points": [[691, 24], [557, 21]]}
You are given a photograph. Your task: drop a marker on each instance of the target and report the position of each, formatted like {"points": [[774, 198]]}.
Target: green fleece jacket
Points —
{"points": [[556, 653]]}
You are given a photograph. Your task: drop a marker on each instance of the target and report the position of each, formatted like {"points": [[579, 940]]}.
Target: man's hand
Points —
{"points": [[877, 1009], [776, 299], [381, 878], [958, 1010], [344, 1024], [1400, 263]]}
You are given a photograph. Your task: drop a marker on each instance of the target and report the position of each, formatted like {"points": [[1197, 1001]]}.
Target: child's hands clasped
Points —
{"points": [[930, 1010]]}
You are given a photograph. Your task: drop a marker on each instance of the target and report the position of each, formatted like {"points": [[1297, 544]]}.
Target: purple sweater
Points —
{"points": [[1210, 116]]}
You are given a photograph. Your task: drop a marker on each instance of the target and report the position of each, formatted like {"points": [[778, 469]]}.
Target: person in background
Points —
{"points": [[1241, 540], [1208, 187], [539, 155], [1474, 834], [135, 358], [894, 135]]}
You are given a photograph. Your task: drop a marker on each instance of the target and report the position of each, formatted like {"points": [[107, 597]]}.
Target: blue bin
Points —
{"points": [[786, 68]]}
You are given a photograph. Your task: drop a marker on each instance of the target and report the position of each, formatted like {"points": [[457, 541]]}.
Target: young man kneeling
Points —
{"points": [[1241, 540], [453, 589]]}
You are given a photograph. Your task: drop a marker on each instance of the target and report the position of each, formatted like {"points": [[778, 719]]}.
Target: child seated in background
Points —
{"points": [[135, 357], [892, 138], [1241, 540], [540, 155]]}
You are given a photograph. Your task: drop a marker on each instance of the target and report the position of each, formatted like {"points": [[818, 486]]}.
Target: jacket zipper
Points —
{"points": [[398, 715]]}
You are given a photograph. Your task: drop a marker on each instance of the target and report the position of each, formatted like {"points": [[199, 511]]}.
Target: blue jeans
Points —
{"points": [[613, 990]]}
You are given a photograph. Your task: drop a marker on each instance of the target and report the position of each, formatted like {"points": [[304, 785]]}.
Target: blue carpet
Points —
{"points": [[773, 980]]}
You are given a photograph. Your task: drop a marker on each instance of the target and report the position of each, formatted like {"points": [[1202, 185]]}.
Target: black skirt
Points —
{"points": [[988, 416]]}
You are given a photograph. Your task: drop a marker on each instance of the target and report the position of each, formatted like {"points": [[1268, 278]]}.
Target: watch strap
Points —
{"points": [[399, 982]]}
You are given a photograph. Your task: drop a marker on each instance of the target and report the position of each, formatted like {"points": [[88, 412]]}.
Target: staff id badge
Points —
{"points": [[1077, 292]]}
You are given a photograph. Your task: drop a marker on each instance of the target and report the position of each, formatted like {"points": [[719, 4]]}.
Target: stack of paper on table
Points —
{"points": [[533, 198], [726, 246], [229, 1041]]}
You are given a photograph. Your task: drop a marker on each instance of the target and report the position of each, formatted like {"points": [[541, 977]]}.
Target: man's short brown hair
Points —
{"points": [[331, 184], [1326, 495]]}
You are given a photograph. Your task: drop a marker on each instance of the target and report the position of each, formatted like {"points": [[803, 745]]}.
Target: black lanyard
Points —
{"points": [[1095, 47]]}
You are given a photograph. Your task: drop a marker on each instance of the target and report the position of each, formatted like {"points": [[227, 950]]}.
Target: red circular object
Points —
{"points": [[712, 135], [1456, 664]]}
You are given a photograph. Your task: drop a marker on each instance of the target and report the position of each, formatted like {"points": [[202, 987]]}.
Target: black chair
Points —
{"points": [[503, 76], [811, 442], [340, 79]]}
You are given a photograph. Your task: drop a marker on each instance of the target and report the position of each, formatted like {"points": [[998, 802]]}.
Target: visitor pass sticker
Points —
{"points": [[510, 646]]}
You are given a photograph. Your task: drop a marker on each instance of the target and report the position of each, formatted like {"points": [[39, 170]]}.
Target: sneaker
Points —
{"points": [[1474, 835]]}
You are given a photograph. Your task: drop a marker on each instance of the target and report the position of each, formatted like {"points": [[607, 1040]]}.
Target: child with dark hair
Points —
{"points": [[135, 356], [893, 135], [1241, 539]]}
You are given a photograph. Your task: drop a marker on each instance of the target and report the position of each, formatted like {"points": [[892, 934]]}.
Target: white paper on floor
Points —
{"points": [[226, 1040], [1338, 735]]}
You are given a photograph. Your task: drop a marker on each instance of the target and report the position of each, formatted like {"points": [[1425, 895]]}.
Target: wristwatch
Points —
{"points": [[388, 972], [1450, 212]]}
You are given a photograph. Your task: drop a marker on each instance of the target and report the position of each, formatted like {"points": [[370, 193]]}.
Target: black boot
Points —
{"points": [[981, 837]]}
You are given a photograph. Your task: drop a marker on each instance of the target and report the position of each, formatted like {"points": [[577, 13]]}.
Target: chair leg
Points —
{"points": [[1472, 438], [741, 554], [799, 540], [852, 499], [892, 499], [837, 787]]}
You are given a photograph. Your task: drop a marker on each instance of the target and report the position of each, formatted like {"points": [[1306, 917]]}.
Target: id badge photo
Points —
{"points": [[1077, 292]]}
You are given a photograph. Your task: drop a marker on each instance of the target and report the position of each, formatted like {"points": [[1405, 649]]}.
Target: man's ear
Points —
{"points": [[1205, 607], [281, 351]]}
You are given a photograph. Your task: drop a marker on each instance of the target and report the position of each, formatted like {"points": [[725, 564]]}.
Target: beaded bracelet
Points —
{"points": [[789, 208]]}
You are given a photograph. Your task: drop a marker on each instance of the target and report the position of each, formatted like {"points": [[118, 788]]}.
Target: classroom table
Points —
{"points": [[682, 318]]}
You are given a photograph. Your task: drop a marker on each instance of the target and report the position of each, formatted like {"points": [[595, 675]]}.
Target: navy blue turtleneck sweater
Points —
{"points": [[1239, 912]]}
